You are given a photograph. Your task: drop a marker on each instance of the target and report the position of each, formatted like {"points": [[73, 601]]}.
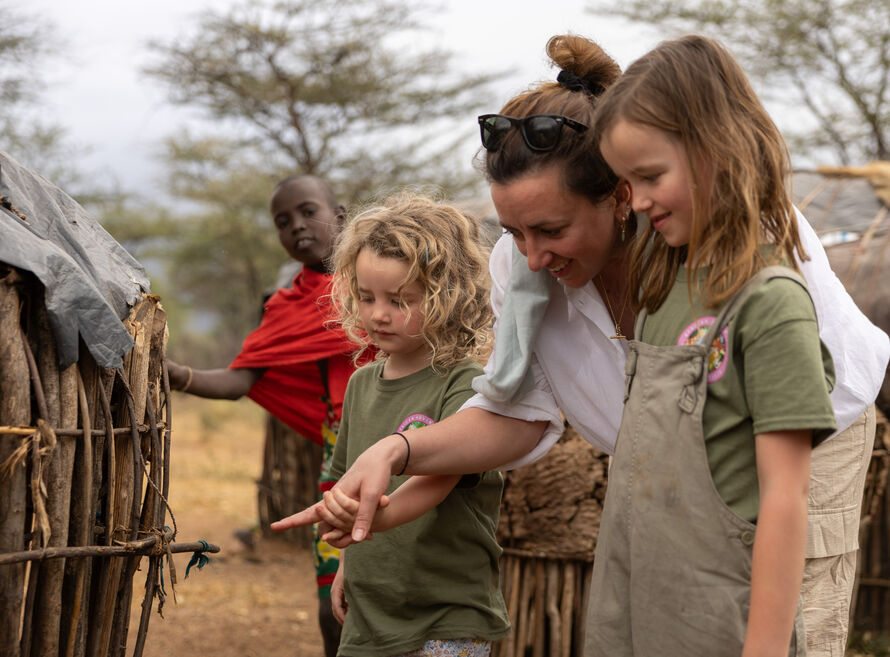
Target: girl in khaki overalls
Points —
{"points": [[701, 547]]}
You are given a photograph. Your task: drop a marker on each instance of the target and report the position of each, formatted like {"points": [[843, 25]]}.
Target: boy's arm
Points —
{"points": [[215, 384], [783, 472]]}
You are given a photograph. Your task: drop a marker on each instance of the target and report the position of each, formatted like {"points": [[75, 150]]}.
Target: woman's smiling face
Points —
{"points": [[556, 229]]}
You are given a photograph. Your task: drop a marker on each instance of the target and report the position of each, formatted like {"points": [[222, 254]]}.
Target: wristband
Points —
{"points": [[407, 456]]}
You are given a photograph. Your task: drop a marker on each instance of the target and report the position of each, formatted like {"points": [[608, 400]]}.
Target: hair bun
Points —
{"points": [[584, 63], [573, 83]]}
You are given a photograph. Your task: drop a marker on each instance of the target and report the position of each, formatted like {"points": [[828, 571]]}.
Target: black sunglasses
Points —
{"points": [[541, 132]]}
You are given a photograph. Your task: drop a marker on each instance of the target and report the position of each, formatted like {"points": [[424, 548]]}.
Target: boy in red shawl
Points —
{"points": [[293, 365]]}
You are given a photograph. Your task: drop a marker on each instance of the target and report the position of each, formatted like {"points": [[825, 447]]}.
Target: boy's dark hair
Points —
{"points": [[323, 184]]}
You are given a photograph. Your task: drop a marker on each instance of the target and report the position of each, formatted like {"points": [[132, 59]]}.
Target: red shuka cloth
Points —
{"points": [[289, 341]]}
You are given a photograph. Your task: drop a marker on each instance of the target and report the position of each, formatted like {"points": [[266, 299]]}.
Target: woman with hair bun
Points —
{"points": [[564, 308]]}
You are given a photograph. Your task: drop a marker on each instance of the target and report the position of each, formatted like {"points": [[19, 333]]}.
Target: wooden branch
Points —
{"points": [[567, 605], [552, 604], [27, 431], [142, 547], [538, 645]]}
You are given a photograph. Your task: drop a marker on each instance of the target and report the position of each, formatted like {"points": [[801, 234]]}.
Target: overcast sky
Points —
{"points": [[117, 116]]}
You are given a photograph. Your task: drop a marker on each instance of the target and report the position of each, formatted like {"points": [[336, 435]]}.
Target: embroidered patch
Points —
{"points": [[415, 421], [717, 356]]}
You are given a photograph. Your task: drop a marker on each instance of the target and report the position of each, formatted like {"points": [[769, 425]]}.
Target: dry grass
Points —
{"points": [[245, 602]]}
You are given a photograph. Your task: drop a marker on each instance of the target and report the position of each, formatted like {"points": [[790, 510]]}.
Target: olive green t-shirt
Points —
{"points": [[768, 370], [435, 577]]}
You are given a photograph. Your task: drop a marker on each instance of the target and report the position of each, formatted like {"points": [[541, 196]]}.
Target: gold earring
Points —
{"points": [[624, 224]]}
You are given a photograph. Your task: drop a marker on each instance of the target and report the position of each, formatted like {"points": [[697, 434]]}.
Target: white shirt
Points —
{"points": [[580, 370]]}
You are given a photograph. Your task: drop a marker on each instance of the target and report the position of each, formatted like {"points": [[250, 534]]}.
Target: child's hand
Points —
{"points": [[307, 516], [337, 537], [339, 511], [338, 599]]}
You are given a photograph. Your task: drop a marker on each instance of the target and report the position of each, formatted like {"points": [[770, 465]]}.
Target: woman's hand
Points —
{"points": [[368, 479], [471, 440]]}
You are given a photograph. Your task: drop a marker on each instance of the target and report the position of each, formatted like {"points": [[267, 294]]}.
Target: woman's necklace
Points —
{"points": [[616, 321]]}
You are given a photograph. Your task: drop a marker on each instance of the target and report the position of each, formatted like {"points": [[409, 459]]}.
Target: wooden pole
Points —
{"points": [[15, 409], [555, 627], [524, 633], [538, 646], [567, 606], [46, 396], [58, 478], [80, 529]]}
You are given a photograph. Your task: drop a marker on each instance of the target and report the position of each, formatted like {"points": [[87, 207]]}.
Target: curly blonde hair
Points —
{"points": [[442, 248]]}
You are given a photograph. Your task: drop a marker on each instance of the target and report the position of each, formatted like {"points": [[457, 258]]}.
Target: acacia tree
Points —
{"points": [[26, 42], [827, 58], [344, 90]]}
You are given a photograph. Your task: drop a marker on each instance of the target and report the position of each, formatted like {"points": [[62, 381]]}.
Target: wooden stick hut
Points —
{"points": [[550, 516], [85, 427]]}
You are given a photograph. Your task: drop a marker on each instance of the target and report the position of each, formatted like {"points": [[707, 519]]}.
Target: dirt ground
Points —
{"points": [[259, 602]]}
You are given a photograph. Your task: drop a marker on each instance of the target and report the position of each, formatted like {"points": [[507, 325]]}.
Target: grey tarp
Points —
{"points": [[90, 280]]}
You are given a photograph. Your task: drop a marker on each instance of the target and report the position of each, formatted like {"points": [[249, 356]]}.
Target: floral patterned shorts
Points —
{"points": [[451, 648]]}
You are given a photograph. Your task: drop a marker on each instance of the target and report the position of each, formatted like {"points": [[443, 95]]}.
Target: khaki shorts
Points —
{"points": [[837, 478]]}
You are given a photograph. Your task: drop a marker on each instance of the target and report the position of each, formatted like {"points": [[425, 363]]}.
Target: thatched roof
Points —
{"points": [[845, 203]]}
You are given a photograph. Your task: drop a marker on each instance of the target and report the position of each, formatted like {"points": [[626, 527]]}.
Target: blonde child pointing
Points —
{"points": [[411, 279]]}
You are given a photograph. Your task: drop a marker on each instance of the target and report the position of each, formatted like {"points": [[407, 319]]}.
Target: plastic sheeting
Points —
{"points": [[90, 280]]}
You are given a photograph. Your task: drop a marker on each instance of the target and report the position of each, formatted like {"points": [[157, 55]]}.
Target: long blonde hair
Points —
{"points": [[441, 247], [692, 88]]}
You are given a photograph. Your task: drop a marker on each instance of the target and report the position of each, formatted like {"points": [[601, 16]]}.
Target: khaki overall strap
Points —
{"points": [[732, 306]]}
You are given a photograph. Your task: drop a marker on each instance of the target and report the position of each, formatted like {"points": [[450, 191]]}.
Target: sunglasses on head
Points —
{"points": [[541, 132]]}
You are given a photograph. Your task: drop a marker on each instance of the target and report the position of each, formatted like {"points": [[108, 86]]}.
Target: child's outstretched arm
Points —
{"points": [[410, 501], [215, 384], [783, 473], [335, 533]]}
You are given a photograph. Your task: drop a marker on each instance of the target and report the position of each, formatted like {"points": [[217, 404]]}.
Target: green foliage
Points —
{"points": [[827, 60]]}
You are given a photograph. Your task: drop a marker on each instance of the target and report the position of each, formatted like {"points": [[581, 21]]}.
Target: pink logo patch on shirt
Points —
{"points": [[415, 421], [717, 356]]}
